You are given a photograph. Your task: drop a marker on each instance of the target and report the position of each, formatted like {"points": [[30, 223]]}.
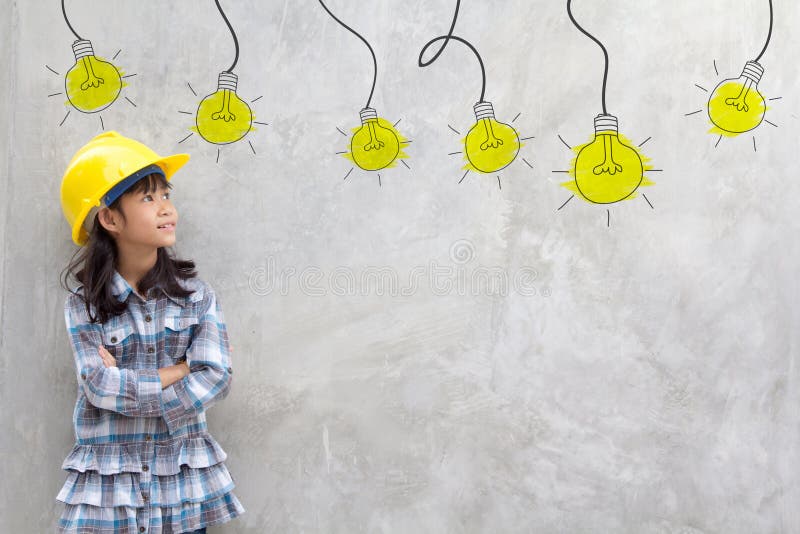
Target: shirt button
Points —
{"points": [[144, 497], [148, 318], [148, 437], [145, 468], [114, 339], [83, 375], [150, 350], [230, 370], [142, 529]]}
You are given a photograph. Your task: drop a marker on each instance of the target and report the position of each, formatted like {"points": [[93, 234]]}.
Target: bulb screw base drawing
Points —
{"points": [[368, 114], [483, 110], [227, 80], [753, 71], [82, 48], [605, 123]]}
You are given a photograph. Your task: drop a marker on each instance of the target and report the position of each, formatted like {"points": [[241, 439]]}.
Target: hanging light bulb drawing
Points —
{"points": [[222, 117], [376, 144], [490, 145], [92, 84], [736, 106], [607, 169]]}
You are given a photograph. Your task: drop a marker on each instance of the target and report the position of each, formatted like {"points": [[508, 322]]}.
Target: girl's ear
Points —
{"points": [[109, 219]]}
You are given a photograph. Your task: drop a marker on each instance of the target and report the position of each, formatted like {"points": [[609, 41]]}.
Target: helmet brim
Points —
{"points": [[170, 164]]}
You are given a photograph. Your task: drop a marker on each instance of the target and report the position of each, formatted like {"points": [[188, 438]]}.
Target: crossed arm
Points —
{"points": [[174, 392], [168, 375]]}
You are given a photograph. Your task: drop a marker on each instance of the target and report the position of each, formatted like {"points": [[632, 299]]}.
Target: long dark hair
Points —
{"points": [[93, 265]]}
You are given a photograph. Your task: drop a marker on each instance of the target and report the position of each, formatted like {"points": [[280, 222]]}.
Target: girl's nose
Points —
{"points": [[166, 206]]}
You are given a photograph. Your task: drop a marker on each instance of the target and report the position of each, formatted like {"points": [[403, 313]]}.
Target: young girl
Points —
{"points": [[151, 354]]}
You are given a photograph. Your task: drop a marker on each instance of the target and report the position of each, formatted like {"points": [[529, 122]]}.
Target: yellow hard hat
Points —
{"points": [[106, 161]]}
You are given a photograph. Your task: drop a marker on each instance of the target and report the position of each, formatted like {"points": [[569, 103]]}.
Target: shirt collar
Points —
{"points": [[120, 288]]}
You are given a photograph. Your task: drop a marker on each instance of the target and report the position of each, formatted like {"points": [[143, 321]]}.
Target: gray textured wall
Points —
{"points": [[647, 386]]}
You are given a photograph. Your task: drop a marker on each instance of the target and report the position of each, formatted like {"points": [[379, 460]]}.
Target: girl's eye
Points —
{"points": [[150, 197]]}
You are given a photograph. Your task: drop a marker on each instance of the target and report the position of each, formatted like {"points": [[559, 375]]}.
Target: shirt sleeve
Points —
{"points": [[208, 357], [130, 392]]}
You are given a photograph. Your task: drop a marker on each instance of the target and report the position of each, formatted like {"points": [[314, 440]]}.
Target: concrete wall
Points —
{"points": [[640, 377]]}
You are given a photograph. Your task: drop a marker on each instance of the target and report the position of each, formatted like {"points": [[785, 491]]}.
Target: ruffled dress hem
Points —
{"points": [[181, 486]]}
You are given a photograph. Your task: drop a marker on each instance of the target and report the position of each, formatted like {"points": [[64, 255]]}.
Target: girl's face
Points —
{"points": [[149, 218]]}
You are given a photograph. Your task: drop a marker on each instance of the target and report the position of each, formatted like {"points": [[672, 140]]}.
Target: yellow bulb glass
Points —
{"points": [[490, 145], [222, 117], [376, 144], [735, 105], [607, 169], [92, 84]]}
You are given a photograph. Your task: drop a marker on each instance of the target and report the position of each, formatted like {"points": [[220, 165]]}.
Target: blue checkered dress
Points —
{"points": [[144, 460]]}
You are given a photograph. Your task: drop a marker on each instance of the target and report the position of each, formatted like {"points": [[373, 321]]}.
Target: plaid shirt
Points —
{"points": [[143, 459]]}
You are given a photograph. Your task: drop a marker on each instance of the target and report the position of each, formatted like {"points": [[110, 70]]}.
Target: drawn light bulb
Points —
{"points": [[606, 169], [375, 145], [222, 117], [736, 106], [92, 84], [490, 145]]}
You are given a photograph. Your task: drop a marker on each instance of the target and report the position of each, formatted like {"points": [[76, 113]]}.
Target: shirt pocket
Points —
{"points": [[178, 333], [118, 340]]}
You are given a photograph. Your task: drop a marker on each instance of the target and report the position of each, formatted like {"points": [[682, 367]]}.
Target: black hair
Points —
{"points": [[93, 264]]}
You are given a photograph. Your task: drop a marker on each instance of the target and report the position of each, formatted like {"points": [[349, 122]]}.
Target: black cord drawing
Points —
{"points": [[769, 34], [64, 11], [372, 52], [447, 39], [603, 48], [233, 34]]}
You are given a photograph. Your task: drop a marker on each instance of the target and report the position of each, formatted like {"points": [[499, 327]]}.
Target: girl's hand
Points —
{"points": [[184, 366], [108, 359]]}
